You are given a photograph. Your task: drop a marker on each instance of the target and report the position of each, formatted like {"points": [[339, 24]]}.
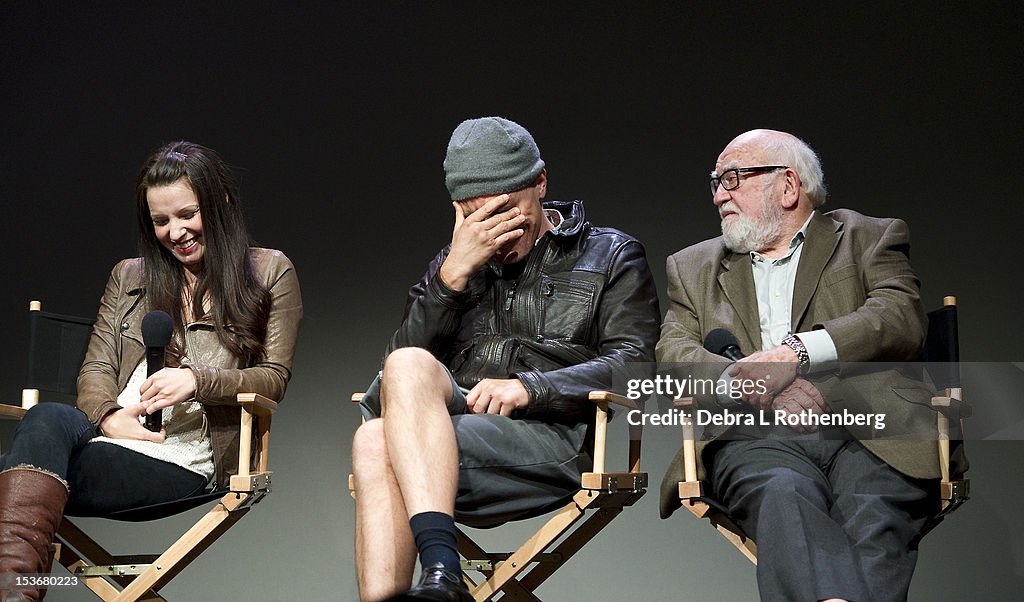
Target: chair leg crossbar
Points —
{"points": [[132, 578], [520, 573]]}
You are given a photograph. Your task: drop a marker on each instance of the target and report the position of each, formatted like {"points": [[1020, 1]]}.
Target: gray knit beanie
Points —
{"points": [[490, 155]]}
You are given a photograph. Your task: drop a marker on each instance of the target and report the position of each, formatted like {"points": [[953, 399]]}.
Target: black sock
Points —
{"points": [[434, 533]]}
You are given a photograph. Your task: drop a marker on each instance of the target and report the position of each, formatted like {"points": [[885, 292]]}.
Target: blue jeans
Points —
{"points": [[102, 477]]}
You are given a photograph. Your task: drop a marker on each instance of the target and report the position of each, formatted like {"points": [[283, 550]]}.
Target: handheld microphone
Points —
{"points": [[722, 342], [156, 335]]}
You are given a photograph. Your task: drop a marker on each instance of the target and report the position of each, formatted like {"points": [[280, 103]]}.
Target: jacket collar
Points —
{"points": [[135, 285], [134, 280], [823, 235], [737, 276], [737, 282], [573, 219]]}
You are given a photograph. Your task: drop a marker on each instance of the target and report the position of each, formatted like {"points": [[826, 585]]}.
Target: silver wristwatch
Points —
{"points": [[794, 343]]}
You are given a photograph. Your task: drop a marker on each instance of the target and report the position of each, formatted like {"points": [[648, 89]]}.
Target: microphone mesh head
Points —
{"points": [[718, 339], [156, 329]]}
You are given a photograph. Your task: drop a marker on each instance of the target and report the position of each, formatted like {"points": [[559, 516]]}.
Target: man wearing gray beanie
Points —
{"points": [[483, 392]]}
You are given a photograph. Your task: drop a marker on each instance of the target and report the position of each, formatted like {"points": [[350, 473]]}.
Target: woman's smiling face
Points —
{"points": [[177, 223]]}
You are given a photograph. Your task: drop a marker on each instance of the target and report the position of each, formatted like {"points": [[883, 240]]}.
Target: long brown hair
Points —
{"points": [[240, 303]]}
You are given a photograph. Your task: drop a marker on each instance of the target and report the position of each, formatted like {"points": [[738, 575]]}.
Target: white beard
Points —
{"points": [[744, 233]]}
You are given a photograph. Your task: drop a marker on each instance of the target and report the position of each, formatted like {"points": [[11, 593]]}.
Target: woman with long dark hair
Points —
{"points": [[235, 311]]}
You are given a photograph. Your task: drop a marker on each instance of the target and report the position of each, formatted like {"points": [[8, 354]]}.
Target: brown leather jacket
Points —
{"points": [[116, 348]]}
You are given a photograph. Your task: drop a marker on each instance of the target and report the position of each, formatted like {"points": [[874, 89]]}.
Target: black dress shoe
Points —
{"points": [[439, 584]]}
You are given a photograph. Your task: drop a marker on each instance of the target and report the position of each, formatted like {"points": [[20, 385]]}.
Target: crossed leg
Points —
{"points": [[404, 464]]}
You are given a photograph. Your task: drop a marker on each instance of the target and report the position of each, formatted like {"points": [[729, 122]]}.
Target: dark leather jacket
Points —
{"points": [[582, 307], [116, 348]]}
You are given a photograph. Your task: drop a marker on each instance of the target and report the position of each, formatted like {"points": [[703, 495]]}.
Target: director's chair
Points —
{"points": [[942, 354], [601, 497], [57, 347]]}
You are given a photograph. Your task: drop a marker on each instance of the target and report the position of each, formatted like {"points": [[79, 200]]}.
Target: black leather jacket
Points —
{"points": [[583, 305]]}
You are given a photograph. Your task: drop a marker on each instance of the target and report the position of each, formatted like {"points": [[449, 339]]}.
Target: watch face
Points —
{"points": [[801, 352]]}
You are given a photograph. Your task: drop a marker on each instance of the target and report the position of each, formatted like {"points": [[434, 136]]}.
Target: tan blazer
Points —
{"points": [[854, 280]]}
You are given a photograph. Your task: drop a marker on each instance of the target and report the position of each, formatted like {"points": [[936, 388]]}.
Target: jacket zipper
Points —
{"points": [[509, 294], [538, 252]]}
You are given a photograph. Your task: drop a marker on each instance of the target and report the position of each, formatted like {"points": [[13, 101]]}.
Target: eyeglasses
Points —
{"points": [[730, 178]]}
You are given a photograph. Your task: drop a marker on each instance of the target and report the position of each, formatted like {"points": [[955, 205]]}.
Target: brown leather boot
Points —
{"points": [[31, 507]]}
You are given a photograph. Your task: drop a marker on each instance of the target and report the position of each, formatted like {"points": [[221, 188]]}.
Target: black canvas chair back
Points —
{"points": [[57, 345], [942, 347]]}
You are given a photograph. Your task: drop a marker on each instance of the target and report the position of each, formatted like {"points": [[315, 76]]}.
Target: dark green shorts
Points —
{"points": [[509, 469]]}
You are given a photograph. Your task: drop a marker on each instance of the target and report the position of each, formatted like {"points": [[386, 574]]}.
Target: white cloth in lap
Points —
{"points": [[187, 442]]}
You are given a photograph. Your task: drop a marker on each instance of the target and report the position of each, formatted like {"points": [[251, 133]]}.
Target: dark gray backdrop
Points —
{"points": [[337, 117]]}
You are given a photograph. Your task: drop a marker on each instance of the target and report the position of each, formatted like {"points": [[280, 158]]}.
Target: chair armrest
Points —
{"points": [[11, 412], [602, 399], [946, 406], [607, 396], [687, 404], [257, 404], [254, 404], [952, 404]]}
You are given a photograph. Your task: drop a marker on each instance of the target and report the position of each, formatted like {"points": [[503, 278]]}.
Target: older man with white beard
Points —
{"points": [[833, 517]]}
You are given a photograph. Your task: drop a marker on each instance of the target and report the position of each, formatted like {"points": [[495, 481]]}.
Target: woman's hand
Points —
{"points": [[124, 424], [166, 388]]}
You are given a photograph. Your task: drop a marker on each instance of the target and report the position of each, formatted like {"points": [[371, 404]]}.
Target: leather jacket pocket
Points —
{"points": [[567, 308], [550, 355]]}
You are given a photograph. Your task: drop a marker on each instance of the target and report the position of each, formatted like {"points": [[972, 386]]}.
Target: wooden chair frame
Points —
{"points": [[691, 491], [952, 493], [603, 494], [140, 577]]}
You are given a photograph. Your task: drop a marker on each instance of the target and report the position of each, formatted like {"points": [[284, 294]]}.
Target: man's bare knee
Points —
{"points": [[369, 448], [409, 361], [413, 375]]}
